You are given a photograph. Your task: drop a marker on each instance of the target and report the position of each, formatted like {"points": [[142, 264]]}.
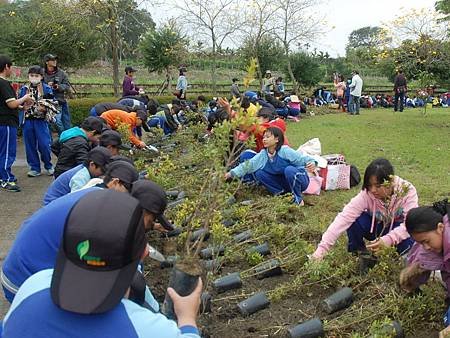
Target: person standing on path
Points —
{"points": [[355, 93], [400, 89], [35, 122], [57, 79], [9, 122], [182, 85]]}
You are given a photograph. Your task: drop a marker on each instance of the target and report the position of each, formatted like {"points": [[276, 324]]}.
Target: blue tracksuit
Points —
{"points": [[61, 186], [33, 314], [285, 172], [36, 136]]}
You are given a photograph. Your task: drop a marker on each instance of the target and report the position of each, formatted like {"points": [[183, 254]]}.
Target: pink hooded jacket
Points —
{"points": [[431, 261], [366, 202]]}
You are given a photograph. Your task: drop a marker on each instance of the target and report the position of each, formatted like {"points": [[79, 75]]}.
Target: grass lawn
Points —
{"points": [[418, 146]]}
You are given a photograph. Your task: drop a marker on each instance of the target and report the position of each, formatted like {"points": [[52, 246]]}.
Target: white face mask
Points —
{"points": [[34, 80]]}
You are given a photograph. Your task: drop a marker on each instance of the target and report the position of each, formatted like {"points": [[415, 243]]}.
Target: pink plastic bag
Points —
{"points": [[315, 184]]}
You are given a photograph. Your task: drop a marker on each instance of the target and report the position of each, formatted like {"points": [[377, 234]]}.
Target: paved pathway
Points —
{"points": [[16, 207]]}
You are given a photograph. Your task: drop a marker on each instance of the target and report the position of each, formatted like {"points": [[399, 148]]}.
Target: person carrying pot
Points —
{"points": [[376, 214], [86, 293], [430, 228]]}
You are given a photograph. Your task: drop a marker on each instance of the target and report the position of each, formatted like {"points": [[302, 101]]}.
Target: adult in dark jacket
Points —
{"points": [[101, 107], [58, 80], [400, 89], [74, 144]]}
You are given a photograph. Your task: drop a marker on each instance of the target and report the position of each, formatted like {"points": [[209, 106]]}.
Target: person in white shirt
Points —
{"points": [[355, 93]]}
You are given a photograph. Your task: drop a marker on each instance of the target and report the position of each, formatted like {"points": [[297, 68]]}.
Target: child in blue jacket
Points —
{"points": [[35, 120], [279, 168]]}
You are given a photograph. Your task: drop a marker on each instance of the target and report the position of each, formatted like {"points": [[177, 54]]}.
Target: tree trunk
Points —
{"points": [[114, 50], [291, 73], [214, 66], [169, 79]]}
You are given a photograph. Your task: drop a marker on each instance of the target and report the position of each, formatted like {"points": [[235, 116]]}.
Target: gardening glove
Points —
{"points": [[409, 277]]}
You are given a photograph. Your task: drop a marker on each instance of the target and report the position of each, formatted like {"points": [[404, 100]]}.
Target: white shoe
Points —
{"points": [[50, 171], [33, 173]]}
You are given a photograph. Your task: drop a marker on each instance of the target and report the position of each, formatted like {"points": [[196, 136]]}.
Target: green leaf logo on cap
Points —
{"points": [[83, 248]]}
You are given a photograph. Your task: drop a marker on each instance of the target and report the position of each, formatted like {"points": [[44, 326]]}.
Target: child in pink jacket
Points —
{"points": [[430, 228], [375, 214]]}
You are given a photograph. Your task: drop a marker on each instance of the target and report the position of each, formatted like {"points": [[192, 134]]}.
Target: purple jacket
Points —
{"points": [[128, 87], [431, 261]]}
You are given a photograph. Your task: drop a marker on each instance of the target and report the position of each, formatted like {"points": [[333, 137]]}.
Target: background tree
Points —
{"points": [[33, 28], [213, 20], [367, 37], [297, 22], [306, 69], [443, 7], [163, 49], [268, 54], [258, 27]]}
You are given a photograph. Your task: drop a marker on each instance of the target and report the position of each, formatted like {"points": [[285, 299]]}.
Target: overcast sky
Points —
{"points": [[345, 16]]}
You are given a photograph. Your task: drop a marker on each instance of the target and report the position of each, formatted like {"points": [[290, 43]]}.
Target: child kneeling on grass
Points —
{"points": [[376, 213], [430, 228], [279, 168]]}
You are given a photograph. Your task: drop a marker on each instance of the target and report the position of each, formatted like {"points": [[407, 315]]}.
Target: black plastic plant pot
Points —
{"points": [[211, 251], [310, 329], [269, 269], [243, 236], [366, 262], [198, 233], [228, 223], [211, 265], [229, 282], [262, 249], [231, 200], [205, 302], [338, 300], [175, 203], [183, 283], [181, 195], [393, 329], [169, 262], [172, 233], [254, 304], [172, 193]]}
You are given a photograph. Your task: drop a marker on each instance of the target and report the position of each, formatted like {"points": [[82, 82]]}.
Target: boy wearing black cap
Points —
{"points": [[139, 119], [153, 200], [94, 269], [98, 159], [58, 80], [34, 248], [74, 144], [77, 177], [111, 139]]}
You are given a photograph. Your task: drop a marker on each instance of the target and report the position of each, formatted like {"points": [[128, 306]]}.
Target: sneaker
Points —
{"points": [[10, 186], [50, 171], [33, 173]]}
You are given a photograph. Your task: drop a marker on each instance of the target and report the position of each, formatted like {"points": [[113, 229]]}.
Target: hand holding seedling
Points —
{"points": [[186, 308], [409, 275], [376, 245], [445, 333]]}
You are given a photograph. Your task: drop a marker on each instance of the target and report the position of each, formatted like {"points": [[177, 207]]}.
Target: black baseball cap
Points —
{"points": [[142, 114], [103, 241], [152, 198], [101, 156], [93, 123], [112, 138], [122, 170], [129, 69], [48, 57]]}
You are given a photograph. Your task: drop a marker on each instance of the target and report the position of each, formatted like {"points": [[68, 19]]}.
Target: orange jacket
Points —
{"points": [[115, 117]]}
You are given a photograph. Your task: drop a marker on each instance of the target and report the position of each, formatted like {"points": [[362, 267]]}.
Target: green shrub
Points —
{"points": [[80, 108]]}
